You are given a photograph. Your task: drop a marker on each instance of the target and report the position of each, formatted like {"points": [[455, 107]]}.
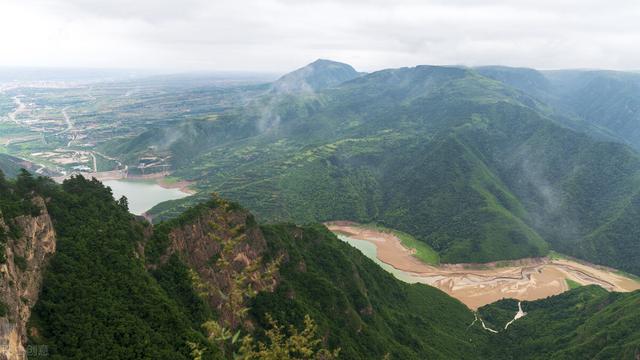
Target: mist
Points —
{"points": [[279, 35]]}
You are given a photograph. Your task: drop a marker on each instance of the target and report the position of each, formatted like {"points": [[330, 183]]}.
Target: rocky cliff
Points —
{"points": [[223, 247], [21, 277]]}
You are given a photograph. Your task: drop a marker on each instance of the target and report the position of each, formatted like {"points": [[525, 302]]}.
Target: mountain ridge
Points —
{"points": [[318, 75], [480, 194]]}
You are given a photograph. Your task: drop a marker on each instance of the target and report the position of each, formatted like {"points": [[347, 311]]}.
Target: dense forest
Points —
{"points": [[120, 288], [480, 164], [585, 323]]}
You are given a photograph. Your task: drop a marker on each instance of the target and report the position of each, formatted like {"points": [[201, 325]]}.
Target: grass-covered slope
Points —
{"points": [[607, 100], [108, 294], [361, 308], [100, 301], [474, 166], [9, 165], [341, 157], [584, 323], [358, 307], [97, 299]]}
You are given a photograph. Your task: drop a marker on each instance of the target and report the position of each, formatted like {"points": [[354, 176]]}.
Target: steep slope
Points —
{"points": [[118, 288], [475, 167], [606, 99], [339, 156], [604, 104], [27, 241], [585, 323], [97, 300], [358, 303], [359, 307], [11, 165]]}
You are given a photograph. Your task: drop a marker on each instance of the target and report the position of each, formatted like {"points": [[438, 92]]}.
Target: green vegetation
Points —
{"points": [[16, 199], [103, 298], [97, 280], [422, 251], [572, 284], [362, 309], [98, 301], [282, 346], [584, 323], [20, 262], [554, 255], [481, 164], [474, 163]]}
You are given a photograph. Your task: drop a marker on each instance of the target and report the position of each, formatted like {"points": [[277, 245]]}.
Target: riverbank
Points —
{"points": [[480, 284], [162, 179]]}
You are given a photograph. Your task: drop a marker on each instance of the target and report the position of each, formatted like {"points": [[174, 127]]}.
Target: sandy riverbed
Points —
{"points": [[526, 279]]}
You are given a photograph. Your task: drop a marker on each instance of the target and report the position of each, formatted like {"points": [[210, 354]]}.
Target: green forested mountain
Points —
{"points": [[318, 75], [603, 103], [476, 163], [102, 299], [118, 288], [585, 323]]}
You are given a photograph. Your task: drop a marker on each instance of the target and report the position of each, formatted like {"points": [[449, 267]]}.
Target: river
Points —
{"points": [[476, 286], [370, 251], [143, 194]]}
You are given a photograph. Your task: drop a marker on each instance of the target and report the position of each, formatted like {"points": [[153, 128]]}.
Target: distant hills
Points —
{"points": [[606, 102], [481, 164], [318, 75]]}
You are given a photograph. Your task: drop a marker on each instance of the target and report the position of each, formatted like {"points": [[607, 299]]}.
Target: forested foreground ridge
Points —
{"points": [[213, 283], [482, 164]]}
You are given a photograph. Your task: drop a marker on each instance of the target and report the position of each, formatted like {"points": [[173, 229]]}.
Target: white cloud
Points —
{"points": [[278, 35]]}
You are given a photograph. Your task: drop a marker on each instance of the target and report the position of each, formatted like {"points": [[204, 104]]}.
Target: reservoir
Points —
{"points": [[480, 284], [142, 194], [370, 251]]}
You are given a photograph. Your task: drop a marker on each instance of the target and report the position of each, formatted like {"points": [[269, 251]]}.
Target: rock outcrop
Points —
{"points": [[21, 277], [227, 233]]}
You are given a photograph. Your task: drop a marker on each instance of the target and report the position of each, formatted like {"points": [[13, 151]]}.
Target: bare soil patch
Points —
{"points": [[480, 284]]}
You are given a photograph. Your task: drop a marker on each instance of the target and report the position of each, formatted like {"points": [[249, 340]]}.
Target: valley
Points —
{"points": [[319, 180], [477, 285], [488, 176], [142, 195]]}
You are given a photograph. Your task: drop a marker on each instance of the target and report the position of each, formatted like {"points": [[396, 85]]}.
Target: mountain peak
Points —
{"points": [[318, 75]]}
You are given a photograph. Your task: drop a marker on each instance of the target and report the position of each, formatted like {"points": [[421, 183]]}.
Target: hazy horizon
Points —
{"points": [[277, 36]]}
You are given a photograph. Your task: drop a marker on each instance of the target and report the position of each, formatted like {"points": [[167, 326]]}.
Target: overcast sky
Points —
{"points": [[279, 35]]}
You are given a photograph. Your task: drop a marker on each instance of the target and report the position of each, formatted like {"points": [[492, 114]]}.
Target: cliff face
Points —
{"points": [[200, 240], [21, 278], [219, 246]]}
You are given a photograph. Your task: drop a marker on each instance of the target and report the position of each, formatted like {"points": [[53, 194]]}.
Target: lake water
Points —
{"points": [[369, 250], [142, 194]]}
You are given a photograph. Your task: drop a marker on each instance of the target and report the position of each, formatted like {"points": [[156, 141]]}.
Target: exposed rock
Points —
{"points": [[21, 278], [199, 244]]}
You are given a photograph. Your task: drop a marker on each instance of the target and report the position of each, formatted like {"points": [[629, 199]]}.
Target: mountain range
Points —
{"points": [[93, 281], [481, 164]]}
